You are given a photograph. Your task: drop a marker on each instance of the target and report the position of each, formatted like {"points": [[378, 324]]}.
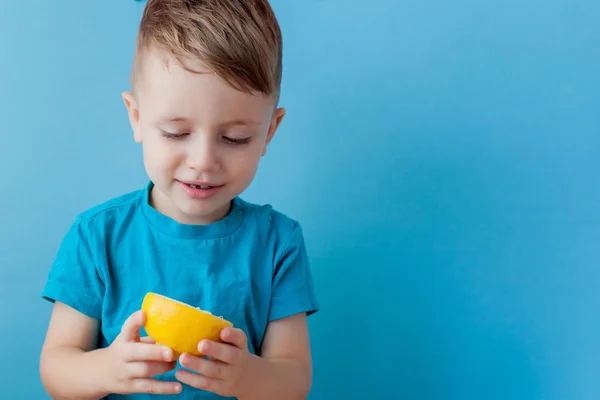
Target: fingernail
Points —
{"points": [[177, 388], [203, 346], [167, 355]]}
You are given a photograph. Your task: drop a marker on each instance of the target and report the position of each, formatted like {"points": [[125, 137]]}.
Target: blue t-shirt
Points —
{"points": [[250, 268]]}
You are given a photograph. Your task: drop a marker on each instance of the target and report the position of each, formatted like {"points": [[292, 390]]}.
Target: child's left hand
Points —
{"points": [[227, 371]]}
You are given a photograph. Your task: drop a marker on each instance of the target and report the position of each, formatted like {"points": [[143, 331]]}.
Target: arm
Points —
{"points": [[69, 365], [284, 370]]}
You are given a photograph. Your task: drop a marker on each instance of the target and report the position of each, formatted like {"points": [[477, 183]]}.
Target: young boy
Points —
{"points": [[205, 88]]}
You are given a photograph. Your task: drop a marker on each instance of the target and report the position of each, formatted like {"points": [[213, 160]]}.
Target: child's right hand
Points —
{"points": [[133, 361]]}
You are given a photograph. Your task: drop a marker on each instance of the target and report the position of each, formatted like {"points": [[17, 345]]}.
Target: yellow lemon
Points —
{"points": [[178, 325]]}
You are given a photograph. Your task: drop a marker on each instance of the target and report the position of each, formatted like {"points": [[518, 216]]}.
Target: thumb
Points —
{"points": [[130, 332]]}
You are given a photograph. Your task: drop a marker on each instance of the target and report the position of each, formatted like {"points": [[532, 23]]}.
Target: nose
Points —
{"points": [[203, 155]]}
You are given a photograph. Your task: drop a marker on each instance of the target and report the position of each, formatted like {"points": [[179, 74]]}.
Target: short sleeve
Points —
{"points": [[293, 290], [73, 278]]}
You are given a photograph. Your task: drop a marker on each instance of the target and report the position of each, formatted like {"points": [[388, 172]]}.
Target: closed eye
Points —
{"points": [[236, 141], [174, 136]]}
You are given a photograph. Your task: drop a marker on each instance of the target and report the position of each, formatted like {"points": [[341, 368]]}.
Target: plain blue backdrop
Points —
{"points": [[441, 155]]}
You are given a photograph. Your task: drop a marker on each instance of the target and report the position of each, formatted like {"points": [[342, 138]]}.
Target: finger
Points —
{"points": [[130, 332], [199, 381], [148, 352], [147, 339], [154, 386], [209, 368], [221, 351], [145, 369], [235, 336]]}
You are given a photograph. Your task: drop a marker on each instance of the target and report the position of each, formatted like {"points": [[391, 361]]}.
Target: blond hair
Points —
{"points": [[238, 40]]}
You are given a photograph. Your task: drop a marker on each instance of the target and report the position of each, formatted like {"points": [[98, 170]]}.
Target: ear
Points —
{"points": [[134, 115], [275, 121]]}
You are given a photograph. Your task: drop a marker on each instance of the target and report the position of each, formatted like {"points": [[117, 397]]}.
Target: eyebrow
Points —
{"points": [[233, 122], [240, 122]]}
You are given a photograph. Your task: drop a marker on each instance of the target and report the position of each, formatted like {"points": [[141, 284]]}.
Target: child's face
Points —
{"points": [[195, 129]]}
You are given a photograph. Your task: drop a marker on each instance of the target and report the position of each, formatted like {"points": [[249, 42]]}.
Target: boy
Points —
{"points": [[205, 88]]}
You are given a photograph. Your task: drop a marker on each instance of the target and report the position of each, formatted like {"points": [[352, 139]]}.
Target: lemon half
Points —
{"points": [[178, 325]]}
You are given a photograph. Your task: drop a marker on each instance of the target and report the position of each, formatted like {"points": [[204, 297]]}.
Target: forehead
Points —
{"points": [[168, 89]]}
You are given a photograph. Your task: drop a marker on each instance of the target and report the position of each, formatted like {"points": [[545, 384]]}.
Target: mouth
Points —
{"points": [[201, 185], [200, 190]]}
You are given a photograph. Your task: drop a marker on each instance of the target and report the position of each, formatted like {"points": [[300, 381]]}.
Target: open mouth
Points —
{"points": [[200, 190], [204, 187]]}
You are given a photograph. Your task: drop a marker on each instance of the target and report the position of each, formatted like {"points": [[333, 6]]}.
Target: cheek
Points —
{"points": [[160, 156], [244, 165]]}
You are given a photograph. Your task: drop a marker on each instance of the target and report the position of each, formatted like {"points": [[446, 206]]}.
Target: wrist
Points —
{"points": [[105, 372], [253, 378]]}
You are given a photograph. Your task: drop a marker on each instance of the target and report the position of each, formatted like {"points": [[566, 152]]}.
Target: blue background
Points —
{"points": [[442, 156]]}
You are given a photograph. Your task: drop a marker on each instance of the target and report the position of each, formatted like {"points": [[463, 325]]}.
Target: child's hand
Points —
{"points": [[133, 361], [226, 373]]}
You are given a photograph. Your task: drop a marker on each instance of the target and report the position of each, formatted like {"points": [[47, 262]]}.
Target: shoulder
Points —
{"points": [[277, 230], [110, 212], [269, 219], [281, 241]]}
